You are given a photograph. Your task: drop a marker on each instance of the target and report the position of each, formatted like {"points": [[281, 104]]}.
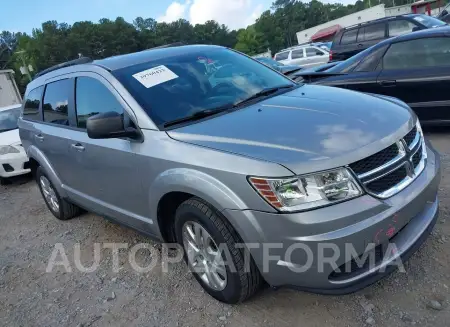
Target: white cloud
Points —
{"points": [[233, 13], [175, 11]]}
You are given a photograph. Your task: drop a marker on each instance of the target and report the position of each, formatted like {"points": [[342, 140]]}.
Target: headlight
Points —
{"points": [[5, 149], [307, 191]]}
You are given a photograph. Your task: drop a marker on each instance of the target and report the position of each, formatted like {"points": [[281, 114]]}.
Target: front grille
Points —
{"points": [[376, 160], [388, 181], [409, 138], [390, 170], [417, 157]]}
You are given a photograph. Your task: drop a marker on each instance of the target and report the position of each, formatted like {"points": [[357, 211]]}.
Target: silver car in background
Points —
{"points": [[304, 56], [254, 164]]}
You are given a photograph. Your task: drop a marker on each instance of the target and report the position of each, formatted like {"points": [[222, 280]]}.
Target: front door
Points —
{"points": [[418, 72], [105, 174]]}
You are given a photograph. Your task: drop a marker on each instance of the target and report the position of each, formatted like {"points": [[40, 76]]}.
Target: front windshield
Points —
{"points": [[349, 64], [429, 21], [8, 119], [178, 86]]}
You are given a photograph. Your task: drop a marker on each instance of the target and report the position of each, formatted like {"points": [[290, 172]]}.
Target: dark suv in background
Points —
{"points": [[353, 39]]}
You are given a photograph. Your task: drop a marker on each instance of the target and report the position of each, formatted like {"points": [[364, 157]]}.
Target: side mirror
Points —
{"points": [[108, 125], [443, 13], [416, 28]]}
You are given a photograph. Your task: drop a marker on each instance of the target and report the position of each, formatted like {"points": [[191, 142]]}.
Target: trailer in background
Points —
{"points": [[9, 93]]}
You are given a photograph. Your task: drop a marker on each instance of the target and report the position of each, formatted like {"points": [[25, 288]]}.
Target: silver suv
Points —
{"points": [[254, 162]]}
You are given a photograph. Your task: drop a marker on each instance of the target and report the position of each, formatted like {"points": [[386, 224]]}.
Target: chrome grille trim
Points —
{"points": [[403, 161]]}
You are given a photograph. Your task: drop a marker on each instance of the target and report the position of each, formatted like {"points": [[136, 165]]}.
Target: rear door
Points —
{"points": [[347, 45], [418, 72], [315, 57], [298, 57], [53, 135]]}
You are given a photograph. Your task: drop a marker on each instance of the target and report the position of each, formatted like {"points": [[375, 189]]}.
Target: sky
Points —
{"points": [[24, 15]]}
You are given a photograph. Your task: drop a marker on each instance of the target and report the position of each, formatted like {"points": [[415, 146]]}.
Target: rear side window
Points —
{"points": [[429, 52], [282, 55], [32, 102], [400, 27], [349, 37], [56, 102], [92, 98], [297, 54], [372, 32]]}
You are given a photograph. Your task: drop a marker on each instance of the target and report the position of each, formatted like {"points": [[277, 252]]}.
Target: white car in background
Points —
{"points": [[13, 159], [304, 56]]}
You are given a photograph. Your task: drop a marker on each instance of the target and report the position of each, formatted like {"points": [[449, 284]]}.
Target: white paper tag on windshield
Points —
{"points": [[155, 76]]}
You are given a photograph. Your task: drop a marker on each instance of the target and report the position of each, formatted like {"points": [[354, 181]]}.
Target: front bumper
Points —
{"points": [[289, 248], [14, 164]]}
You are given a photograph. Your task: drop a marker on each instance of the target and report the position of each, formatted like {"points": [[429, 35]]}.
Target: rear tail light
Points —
{"points": [[331, 55]]}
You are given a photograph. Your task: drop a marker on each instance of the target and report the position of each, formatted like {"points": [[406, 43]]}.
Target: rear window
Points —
{"points": [[56, 102], [349, 37], [282, 55], [32, 102]]}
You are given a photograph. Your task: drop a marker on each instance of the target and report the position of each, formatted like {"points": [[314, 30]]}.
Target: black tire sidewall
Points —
{"points": [[40, 172], [232, 291]]}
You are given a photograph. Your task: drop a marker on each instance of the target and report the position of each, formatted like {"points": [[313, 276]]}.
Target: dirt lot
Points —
{"points": [[31, 297]]}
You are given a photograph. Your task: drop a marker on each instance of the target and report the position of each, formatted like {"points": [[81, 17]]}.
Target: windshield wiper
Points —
{"points": [[264, 92], [200, 114], [228, 106]]}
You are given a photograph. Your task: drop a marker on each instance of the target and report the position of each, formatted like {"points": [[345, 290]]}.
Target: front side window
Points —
{"points": [[32, 102], [400, 27], [8, 119], [56, 102], [92, 98], [282, 56], [349, 37], [429, 52], [296, 54], [176, 86], [370, 63]]}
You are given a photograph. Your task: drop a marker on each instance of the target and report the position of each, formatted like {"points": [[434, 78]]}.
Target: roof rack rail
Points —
{"points": [[79, 61], [175, 44]]}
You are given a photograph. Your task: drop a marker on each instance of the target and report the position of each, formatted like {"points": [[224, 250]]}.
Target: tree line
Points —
{"points": [[54, 42]]}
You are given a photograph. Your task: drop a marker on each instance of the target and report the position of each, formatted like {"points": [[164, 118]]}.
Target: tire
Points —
{"points": [[240, 284], [65, 210]]}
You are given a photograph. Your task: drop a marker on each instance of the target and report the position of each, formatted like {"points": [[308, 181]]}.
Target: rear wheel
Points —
{"points": [[210, 250], [59, 207]]}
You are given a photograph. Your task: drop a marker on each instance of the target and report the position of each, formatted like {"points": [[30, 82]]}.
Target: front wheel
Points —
{"points": [[211, 252]]}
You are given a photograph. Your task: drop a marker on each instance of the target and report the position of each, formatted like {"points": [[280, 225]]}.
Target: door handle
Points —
{"points": [[388, 83], [39, 137], [360, 45], [78, 147]]}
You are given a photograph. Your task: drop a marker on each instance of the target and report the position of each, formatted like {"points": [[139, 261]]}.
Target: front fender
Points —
{"points": [[196, 183], [36, 154]]}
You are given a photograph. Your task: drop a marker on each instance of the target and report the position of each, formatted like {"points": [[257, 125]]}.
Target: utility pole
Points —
{"points": [[25, 67]]}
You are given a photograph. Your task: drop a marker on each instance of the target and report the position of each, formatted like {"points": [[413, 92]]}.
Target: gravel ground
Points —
{"points": [[31, 297]]}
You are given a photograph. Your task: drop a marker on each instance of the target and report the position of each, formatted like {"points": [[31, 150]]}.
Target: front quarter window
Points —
{"points": [[179, 85]]}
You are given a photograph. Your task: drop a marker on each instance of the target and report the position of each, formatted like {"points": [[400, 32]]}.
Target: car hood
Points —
{"points": [[10, 137], [308, 129]]}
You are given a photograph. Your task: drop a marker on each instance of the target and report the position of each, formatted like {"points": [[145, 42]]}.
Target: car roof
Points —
{"points": [[378, 20], [14, 106], [122, 61]]}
